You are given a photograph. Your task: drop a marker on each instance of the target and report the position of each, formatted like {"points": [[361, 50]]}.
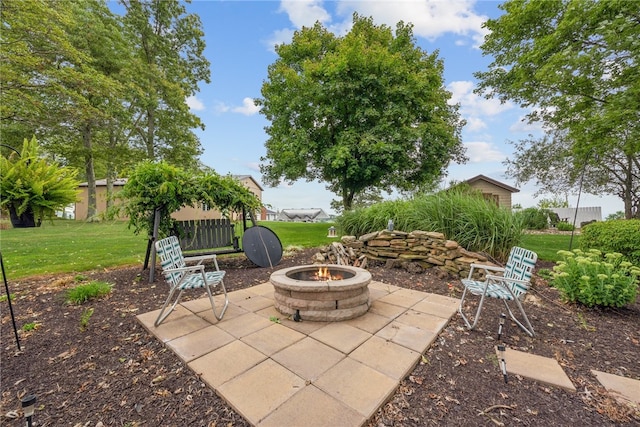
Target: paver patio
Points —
{"points": [[340, 372]]}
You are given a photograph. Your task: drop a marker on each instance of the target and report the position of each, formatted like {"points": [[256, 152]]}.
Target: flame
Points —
{"points": [[324, 274]]}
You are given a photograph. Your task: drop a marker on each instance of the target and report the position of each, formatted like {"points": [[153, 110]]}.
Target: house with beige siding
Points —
{"points": [[493, 190], [186, 213]]}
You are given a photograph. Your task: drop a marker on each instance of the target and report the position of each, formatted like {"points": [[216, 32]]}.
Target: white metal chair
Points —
{"points": [[511, 285], [181, 277]]}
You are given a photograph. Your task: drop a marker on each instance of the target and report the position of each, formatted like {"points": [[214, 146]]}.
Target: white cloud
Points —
{"points": [[279, 37], [523, 125], [474, 105], [194, 103], [479, 152], [305, 12], [248, 107], [474, 124], [431, 18], [220, 107]]}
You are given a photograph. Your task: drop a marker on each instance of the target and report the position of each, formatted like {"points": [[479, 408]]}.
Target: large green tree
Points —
{"points": [[59, 79], [168, 48], [364, 112], [575, 64]]}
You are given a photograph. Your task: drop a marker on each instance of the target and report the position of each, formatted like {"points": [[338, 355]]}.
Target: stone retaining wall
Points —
{"points": [[417, 248]]}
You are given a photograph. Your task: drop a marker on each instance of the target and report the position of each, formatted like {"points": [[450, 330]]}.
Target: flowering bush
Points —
{"points": [[592, 278]]}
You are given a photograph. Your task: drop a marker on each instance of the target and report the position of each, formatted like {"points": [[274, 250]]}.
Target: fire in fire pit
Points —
{"points": [[322, 292], [321, 274]]}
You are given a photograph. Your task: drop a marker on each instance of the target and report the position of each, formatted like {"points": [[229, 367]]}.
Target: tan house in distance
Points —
{"points": [[493, 190], [186, 213]]}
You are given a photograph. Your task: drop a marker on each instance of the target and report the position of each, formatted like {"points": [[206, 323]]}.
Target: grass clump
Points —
{"points": [[460, 214], [88, 291], [84, 318]]}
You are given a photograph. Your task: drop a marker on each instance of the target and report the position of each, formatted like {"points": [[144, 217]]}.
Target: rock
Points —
{"points": [[365, 238]]}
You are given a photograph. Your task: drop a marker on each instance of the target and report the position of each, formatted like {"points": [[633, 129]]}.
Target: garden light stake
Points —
{"points": [[501, 325], [503, 362]]}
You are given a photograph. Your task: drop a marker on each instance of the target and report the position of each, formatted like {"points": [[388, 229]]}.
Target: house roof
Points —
{"points": [[243, 177], [492, 181], [314, 213], [118, 182]]}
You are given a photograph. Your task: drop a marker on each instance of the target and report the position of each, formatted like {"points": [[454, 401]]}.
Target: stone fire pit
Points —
{"points": [[322, 292]]}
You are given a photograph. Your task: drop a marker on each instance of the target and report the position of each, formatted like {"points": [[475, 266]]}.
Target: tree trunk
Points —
{"points": [[150, 140], [90, 172]]}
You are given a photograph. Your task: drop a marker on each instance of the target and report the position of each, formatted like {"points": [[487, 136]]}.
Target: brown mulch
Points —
{"points": [[113, 373]]}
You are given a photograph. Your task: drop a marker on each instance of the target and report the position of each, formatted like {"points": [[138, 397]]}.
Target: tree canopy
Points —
{"points": [[574, 64], [364, 112]]}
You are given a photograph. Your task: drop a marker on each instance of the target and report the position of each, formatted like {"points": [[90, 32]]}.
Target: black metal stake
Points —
{"points": [[6, 287]]}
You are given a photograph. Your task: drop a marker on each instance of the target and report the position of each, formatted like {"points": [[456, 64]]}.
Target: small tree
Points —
{"points": [[32, 189]]}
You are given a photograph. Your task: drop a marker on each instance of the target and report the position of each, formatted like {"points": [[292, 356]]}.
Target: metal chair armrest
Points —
{"points": [[483, 267], [505, 279], [196, 268], [200, 258]]}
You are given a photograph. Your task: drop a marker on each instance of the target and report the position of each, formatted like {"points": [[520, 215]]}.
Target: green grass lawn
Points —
{"points": [[547, 245], [67, 246]]}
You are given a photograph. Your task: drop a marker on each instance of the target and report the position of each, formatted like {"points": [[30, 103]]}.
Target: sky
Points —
{"points": [[240, 37]]}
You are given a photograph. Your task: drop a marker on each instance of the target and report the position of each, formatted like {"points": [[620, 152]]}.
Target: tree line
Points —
{"points": [[102, 91]]}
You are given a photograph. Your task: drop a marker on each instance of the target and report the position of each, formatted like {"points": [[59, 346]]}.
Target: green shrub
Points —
{"points": [[594, 279], [564, 226], [83, 293], [534, 218], [614, 236]]}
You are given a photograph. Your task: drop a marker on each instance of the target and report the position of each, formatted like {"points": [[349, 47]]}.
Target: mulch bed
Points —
{"points": [[113, 373]]}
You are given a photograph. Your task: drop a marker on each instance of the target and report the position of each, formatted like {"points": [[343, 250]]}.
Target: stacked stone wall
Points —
{"points": [[423, 248]]}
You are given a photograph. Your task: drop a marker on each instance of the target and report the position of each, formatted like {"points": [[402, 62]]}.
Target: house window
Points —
{"points": [[205, 207], [492, 197]]}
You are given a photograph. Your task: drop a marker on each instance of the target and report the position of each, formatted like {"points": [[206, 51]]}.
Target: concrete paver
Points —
{"points": [[272, 339], [342, 337], [387, 357], [408, 336], [359, 386], [308, 358], [626, 390], [176, 325], [320, 410], [225, 363], [245, 324], [543, 369], [199, 343], [257, 392]]}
